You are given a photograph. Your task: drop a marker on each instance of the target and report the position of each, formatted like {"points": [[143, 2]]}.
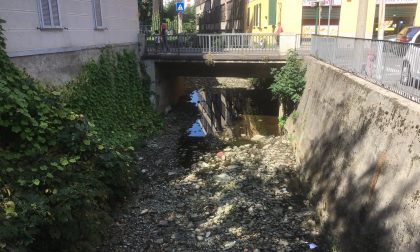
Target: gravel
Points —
{"points": [[210, 195]]}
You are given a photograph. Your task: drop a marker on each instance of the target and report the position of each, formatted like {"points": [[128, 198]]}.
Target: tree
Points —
{"points": [[188, 19], [289, 83], [145, 11]]}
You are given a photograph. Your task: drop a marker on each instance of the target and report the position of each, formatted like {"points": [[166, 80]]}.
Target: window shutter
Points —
{"points": [[272, 12], [55, 13], [45, 12], [98, 13]]}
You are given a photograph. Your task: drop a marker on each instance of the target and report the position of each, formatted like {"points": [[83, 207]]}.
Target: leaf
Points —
{"points": [[43, 125], [64, 162], [36, 182], [49, 175], [86, 142]]}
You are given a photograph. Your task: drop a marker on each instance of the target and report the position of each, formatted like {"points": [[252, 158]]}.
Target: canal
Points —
{"points": [[219, 177]]}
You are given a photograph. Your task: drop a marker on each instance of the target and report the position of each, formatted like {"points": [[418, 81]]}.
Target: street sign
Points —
{"points": [[179, 7]]}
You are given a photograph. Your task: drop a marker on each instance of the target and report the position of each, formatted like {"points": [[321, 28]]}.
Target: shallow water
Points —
{"points": [[234, 113], [227, 117]]}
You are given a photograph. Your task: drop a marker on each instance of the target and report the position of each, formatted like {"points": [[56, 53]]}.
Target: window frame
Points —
{"points": [[41, 16], [95, 20]]}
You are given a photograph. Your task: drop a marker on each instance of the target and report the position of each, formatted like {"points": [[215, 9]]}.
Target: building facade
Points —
{"points": [[333, 17], [220, 15], [51, 39]]}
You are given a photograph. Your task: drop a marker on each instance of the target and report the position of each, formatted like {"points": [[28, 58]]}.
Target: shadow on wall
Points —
{"points": [[352, 192]]}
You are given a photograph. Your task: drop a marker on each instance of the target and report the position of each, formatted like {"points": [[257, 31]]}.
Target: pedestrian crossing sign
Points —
{"points": [[179, 6]]}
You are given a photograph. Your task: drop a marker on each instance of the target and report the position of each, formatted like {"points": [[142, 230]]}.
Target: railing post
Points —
{"points": [[179, 44], [228, 42], [242, 41], [209, 36]]}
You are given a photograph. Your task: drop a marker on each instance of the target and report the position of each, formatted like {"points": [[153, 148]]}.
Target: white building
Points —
{"points": [[52, 38]]}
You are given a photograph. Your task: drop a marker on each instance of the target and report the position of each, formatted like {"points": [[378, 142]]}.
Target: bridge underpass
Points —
{"points": [[167, 76]]}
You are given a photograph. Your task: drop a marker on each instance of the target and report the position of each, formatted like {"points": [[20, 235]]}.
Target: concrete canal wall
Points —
{"points": [[359, 148]]}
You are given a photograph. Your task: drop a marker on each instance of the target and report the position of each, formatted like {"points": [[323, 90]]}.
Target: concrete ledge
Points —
{"points": [[60, 67], [359, 149]]}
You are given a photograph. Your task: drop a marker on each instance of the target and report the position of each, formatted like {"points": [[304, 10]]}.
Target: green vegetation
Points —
{"points": [[289, 83], [282, 121], [115, 98], [60, 174], [170, 16]]}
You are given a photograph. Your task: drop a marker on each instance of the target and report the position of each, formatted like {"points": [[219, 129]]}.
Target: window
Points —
{"points": [[97, 13], [272, 12], [49, 14], [223, 13]]}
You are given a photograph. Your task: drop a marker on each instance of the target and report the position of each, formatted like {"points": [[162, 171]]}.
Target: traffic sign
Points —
{"points": [[179, 7]]}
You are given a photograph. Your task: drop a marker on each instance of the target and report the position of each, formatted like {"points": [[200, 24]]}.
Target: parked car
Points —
{"points": [[408, 34], [410, 72]]}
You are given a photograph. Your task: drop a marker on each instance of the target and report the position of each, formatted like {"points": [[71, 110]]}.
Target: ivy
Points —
{"points": [[289, 83], [115, 98], [59, 173]]}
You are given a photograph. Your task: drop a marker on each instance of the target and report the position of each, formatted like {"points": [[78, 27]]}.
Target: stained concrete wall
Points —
{"points": [[59, 68], [359, 149]]}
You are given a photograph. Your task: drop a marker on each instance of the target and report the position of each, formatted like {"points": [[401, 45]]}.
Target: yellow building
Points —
{"points": [[264, 16], [298, 17]]}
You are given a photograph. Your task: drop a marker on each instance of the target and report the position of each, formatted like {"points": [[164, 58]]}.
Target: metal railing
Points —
{"points": [[226, 43], [389, 64]]}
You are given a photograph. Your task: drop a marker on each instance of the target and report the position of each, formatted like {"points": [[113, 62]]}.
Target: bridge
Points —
{"points": [[391, 65], [227, 47]]}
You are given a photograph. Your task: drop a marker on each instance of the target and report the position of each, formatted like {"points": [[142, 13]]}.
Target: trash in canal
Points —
{"points": [[312, 246]]}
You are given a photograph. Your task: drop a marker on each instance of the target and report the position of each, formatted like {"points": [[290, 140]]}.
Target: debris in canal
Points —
{"points": [[211, 194]]}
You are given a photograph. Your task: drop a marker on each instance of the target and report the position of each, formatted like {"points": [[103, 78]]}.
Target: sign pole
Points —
{"points": [[179, 22]]}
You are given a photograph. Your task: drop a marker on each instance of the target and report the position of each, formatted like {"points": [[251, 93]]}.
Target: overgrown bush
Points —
{"points": [[58, 179], [115, 98], [289, 83]]}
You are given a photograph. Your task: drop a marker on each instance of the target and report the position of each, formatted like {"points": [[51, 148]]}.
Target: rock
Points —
{"points": [[222, 178], [159, 241], [200, 238], [283, 242], [257, 138], [163, 223], [145, 211], [208, 234], [229, 245]]}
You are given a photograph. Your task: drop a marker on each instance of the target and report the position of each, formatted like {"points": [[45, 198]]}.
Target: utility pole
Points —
{"points": [[316, 18], [361, 18], [329, 16], [381, 20], [180, 16]]}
